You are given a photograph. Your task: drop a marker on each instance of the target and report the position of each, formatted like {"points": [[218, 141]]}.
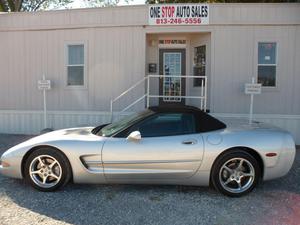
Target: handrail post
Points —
{"points": [[201, 84], [148, 86], [205, 92], [111, 110]]}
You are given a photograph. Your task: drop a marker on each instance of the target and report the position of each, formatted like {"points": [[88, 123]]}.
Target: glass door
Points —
{"points": [[172, 66], [172, 85]]}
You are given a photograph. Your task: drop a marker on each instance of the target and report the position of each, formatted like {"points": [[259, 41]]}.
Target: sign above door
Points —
{"points": [[181, 14], [167, 43]]}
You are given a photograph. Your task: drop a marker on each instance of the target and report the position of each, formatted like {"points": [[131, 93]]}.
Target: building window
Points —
{"points": [[267, 63], [75, 67], [199, 64]]}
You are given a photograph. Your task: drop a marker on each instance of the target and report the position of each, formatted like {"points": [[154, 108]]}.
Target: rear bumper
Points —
{"points": [[283, 165]]}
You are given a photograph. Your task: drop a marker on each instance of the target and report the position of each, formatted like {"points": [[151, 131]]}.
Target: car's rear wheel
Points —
{"points": [[47, 169], [235, 173]]}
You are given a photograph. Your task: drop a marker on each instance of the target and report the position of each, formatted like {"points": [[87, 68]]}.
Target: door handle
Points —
{"points": [[189, 142]]}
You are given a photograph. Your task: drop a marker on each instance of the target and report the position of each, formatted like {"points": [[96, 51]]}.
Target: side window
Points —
{"points": [[75, 65], [167, 124], [199, 64], [267, 63]]}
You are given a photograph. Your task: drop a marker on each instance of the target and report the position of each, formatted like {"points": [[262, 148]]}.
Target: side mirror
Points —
{"points": [[134, 136]]}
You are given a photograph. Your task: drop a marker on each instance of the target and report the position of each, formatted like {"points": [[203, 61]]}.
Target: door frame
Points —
{"points": [[183, 73]]}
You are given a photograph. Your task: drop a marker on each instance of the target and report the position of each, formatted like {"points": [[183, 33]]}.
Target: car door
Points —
{"points": [[170, 148]]}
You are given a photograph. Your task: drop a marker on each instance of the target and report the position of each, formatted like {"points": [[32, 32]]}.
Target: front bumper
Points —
{"points": [[10, 166]]}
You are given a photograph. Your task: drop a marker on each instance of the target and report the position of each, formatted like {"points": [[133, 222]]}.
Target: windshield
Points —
{"points": [[125, 122]]}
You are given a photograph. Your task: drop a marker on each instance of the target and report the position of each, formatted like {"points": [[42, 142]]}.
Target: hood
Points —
{"points": [[70, 134], [67, 134]]}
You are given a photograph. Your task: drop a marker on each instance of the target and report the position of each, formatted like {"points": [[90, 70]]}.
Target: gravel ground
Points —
{"points": [[273, 202]]}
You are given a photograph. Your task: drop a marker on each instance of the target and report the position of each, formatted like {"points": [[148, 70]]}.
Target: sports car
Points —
{"points": [[162, 145]]}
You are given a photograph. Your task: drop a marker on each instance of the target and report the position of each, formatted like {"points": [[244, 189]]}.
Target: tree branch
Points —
{"points": [[38, 5], [2, 7], [11, 5], [5, 5], [18, 5]]}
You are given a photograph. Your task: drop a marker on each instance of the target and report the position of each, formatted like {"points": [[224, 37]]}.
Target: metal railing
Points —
{"points": [[148, 95], [142, 81]]}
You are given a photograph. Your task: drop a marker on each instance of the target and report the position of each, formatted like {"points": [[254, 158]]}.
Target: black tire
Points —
{"points": [[63, 166], [217, 174]]}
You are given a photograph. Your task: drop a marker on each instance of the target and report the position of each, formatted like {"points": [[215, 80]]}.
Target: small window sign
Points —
{"points": [[152, 68], [44, 84], [252, 89], [172, 42]]}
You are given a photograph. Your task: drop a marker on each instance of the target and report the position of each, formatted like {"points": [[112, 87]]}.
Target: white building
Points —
{"points": [[92, 55]]}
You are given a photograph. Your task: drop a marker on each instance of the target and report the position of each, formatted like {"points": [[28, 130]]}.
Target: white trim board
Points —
{"points": [[256, 116]]}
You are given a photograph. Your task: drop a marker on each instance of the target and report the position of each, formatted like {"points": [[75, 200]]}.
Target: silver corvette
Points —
{"points": [[161, 145]]}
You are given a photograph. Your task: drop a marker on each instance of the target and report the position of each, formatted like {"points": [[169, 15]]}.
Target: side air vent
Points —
{"points": [[92, 163]]}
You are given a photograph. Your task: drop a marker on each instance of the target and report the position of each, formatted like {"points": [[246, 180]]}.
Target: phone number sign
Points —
{"points": [[181, 14]]}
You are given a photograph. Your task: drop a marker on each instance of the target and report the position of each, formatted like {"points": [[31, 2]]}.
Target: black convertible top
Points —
{"points": [[205, 121], [174, 108]]}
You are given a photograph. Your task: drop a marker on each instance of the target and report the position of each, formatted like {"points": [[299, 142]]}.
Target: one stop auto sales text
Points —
{"points": [[178, 14]]}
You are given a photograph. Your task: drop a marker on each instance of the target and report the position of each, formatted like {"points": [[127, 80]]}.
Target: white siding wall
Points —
{"points": [[235, 62], [33, 44], [115, 60], [31, 122]]}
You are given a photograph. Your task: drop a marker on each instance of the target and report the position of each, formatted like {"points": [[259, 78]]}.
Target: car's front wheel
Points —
{"points": [[235, 173], [47, 169]]}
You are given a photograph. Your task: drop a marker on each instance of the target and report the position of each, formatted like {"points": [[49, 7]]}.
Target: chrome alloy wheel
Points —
{"points": [[45, 171], [237, 175]]}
